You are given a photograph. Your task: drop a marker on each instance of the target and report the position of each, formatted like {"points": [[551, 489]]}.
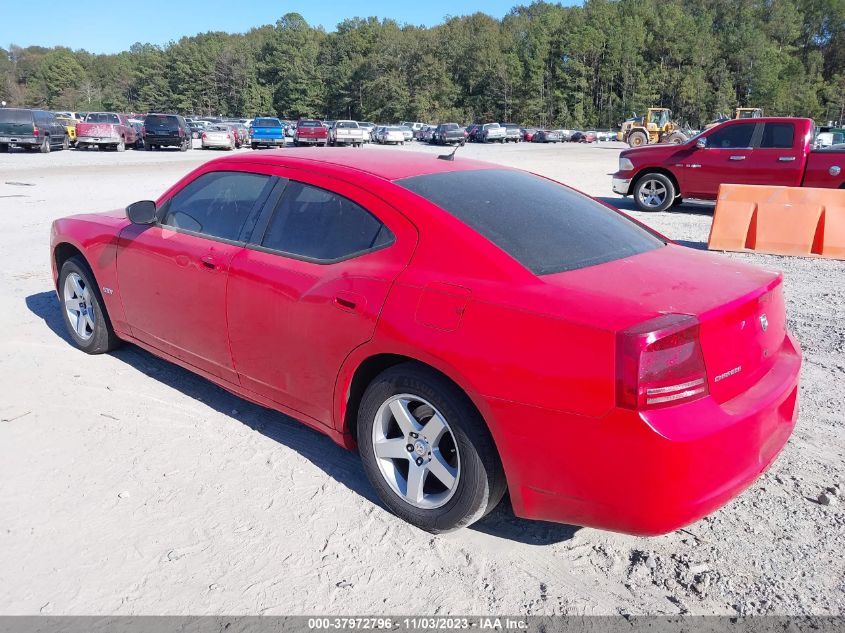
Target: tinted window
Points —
{"points": [[102, 117], [216, 204], [545, 226], [732, 136], [310, 124], [318, 224], [266, 123], [346, 124], [159, 120], [778, 135]]}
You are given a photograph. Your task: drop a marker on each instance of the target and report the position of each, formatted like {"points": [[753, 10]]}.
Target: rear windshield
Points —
{"points": [[546, 227], [102, 117], [161, 120], [266, 123], [15, 116], [309, 124], [450, 126], [346, 124]]}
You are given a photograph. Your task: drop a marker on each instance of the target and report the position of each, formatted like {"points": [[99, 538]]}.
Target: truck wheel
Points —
{"points": [[636, 139], [183, 146], [427, 451], [676, 138], [45, 148], [654, 192], [4, 148], [66, 143], [254, 145], [121, 147]]}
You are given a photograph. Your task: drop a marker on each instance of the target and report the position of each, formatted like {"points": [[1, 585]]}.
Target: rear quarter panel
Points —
{"points": [[821, 166]]}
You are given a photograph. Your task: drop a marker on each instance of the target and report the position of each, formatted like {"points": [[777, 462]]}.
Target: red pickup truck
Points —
{"points": [[764, 151], [105, 129], [310, 132]]}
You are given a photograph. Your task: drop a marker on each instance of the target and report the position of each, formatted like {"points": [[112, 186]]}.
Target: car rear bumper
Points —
{"points": [[621, 186], [311, 140], [645, 473], [164, 141], [98, 140], [21, 140], [267, 141]]}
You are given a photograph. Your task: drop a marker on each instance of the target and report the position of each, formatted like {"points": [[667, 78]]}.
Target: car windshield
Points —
{"points": [[266, 123], [102, 117], [545, 226]]}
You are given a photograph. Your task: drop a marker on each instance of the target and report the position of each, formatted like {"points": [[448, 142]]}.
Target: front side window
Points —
{"points": [[216, 204], [778, 136], [732, 136], [317, 224]]}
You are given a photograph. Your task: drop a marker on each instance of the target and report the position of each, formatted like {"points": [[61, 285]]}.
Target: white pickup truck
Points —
{"points": [[346, 133]]}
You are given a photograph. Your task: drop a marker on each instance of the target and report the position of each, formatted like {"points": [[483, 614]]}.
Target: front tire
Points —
{"points": [[83, 309], [452, 475], [45, 147], [637, 139], [654, 192]]}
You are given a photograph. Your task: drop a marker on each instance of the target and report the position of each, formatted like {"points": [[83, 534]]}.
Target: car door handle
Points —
{"points": [[738, 157], [786, 159], [349, 301]]}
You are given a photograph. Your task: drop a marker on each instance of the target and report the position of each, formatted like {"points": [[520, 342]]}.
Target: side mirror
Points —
{"points": [[143, 212], [701, 143]]}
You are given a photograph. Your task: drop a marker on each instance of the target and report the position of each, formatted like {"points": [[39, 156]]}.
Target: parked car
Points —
{"points": [[426, 133], [138, 126], [346, 133], [390, 135], [385, 344], [761, 151], [512, 132], [70, 127], [310, 132], [290, 128], [564, 135], [580, 137], [491, 133], [413, 126], [471, 131], [546, 136], [528, 134], [166, 130], [240, 132], [31, 129], [267, 131], [407, 133], [447, 134], [107, 130], [218, 136], [369, 128]]}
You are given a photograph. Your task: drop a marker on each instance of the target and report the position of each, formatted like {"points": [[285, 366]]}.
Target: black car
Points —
{"points": [[31, 130], [447, 133], [166, 130], [546, 136], [472, 132]]}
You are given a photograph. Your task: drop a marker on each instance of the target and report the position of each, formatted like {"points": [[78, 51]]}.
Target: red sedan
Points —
{"points": [[470, 328]]}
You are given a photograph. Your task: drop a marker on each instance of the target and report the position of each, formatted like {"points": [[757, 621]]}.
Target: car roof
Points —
{"points": [[382, 164]]}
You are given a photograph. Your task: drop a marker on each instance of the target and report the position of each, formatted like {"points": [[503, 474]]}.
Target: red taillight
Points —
{"points": [[34, 131], [660, 363], [228, 136], [203, 136], [181, 132]]}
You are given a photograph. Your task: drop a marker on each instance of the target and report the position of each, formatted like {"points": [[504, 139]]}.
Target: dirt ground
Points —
{"points": [[130, 486]]}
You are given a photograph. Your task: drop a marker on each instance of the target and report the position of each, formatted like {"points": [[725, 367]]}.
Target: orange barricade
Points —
{"points": [[779, 220]]}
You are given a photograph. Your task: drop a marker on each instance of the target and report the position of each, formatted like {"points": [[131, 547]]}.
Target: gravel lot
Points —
{"points": [[130, 486]]}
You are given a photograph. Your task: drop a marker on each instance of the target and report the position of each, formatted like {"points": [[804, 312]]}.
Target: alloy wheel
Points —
{"points": [[79, 306], [652, 194], [416, 451]]}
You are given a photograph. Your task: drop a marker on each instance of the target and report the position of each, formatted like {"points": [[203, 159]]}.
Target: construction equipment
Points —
{"points": [[654, 127], [739, 113]]}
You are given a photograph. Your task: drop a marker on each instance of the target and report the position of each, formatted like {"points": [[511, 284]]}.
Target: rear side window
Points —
{"points": [[8, 115], [732, 136], [317, 224], [216, 204], [778, 136], [546, 227]]}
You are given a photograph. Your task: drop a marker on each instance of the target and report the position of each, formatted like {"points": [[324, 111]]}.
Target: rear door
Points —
{"points": [[310, 287], [779, 156], [727, 158]]}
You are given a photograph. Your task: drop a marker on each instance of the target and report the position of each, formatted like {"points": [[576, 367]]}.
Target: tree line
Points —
{"points": [[542, 64]]}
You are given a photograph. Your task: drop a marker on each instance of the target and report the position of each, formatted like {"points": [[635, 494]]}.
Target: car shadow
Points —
{"points": [[341, 465], [697, 207]]}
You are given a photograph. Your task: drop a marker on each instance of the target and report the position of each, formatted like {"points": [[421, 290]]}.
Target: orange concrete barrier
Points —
{"points": [[779, 220]]}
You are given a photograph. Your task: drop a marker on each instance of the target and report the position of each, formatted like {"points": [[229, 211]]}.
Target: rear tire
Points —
{"points": [[91, 331], [637, 139], [66, 143], [121, 147], [45, 147], [463, 453], [4, 148]]}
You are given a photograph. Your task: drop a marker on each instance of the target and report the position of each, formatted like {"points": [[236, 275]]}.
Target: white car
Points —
{"points": [[390, 135], [346, 133], [492, 132], [218, 137]]}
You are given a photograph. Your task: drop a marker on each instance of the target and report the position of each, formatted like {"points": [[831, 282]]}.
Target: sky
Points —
{"points": [[110, 27]]}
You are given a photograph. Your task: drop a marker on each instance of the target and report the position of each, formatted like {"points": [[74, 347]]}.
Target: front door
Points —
{"points": [[726, 159], [172, 275], [311, 287]]}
